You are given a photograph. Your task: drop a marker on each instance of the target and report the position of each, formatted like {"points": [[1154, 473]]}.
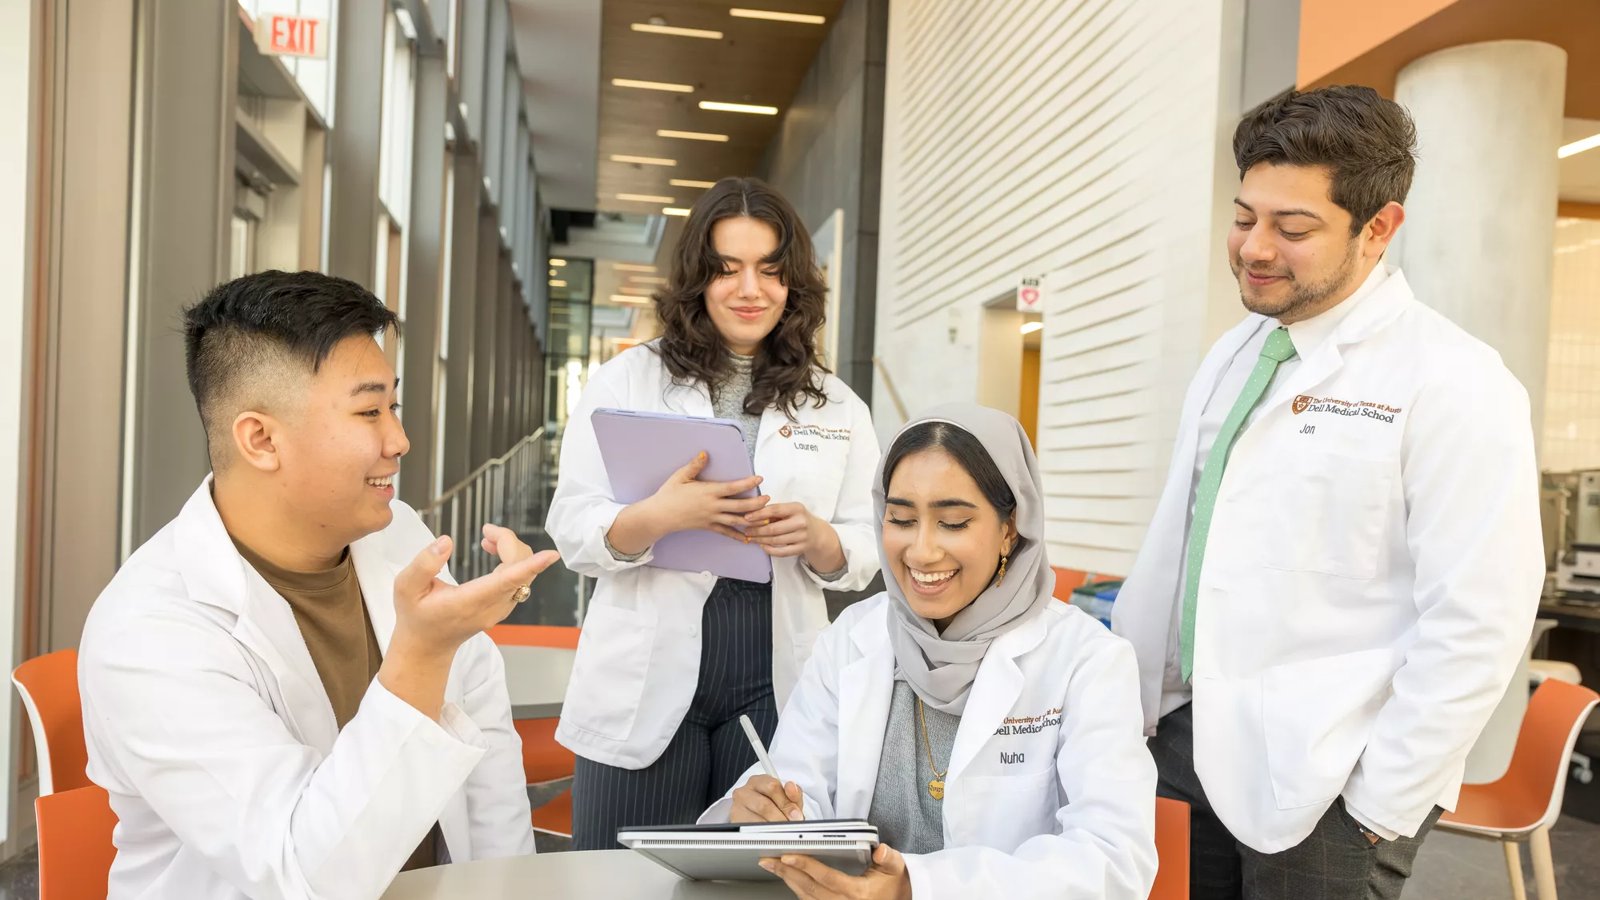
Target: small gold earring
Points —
{"points": [[1002, 574]]}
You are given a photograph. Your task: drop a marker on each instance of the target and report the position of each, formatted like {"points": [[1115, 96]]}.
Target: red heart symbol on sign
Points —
{"points": [[1030, 296]]}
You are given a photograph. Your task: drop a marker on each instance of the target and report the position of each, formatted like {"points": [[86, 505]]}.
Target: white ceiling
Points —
{"points": [[558, 50]]}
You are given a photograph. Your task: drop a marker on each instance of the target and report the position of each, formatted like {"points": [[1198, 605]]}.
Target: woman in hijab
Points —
{"points": [[992, 733]]}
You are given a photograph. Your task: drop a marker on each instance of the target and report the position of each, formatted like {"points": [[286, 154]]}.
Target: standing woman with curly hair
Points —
{"points": [[669, 660]]}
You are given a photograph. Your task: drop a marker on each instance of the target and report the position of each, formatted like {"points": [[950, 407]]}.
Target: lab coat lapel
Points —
{"points": [[215, 573], [376, 573], [994, 693], [866, 687]]}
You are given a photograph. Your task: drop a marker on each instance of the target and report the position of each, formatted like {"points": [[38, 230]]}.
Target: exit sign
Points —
{"points": [[292, 36]]}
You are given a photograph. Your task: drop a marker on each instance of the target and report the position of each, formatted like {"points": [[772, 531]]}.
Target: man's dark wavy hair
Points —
{"points": [[1368, 144]]}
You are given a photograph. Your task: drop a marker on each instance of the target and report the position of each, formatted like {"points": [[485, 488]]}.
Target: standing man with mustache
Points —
{"points": [[1345, 561]]}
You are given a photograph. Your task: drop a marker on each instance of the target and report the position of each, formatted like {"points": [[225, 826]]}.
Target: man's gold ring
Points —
{"points": [[521, 594]]}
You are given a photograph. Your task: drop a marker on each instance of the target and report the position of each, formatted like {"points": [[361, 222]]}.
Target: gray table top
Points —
{"points": [[536, 678], [612, 874]]}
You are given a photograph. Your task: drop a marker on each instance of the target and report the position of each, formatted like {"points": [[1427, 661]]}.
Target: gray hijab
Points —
{"points": [[941, 668]]}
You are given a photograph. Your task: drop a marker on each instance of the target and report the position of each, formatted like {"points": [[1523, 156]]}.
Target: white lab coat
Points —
{"points": [[639, 655], [207, 723], [1369, 581], [1073, 818]]}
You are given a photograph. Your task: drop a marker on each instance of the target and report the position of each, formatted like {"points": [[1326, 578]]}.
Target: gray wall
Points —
{"points": [[828, 155], [1271, 50]]}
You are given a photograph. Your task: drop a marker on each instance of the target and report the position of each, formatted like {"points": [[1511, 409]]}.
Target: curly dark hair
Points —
{"points": [[787, 370]]}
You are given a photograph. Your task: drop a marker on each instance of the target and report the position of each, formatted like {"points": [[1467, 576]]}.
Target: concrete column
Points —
{"points": [[485, 300], [1479, 235], [426, 260], [463, 319], [186, 81], [353, 145]]}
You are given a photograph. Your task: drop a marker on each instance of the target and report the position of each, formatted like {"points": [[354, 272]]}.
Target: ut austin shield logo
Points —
{"points": [[786, 431], [1300, 404]]}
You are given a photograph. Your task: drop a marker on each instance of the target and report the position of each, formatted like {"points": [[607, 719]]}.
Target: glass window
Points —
{"points": [[394, 152]]}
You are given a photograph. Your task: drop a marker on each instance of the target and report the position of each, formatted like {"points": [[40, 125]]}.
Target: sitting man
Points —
{"points": [[284, 691]]}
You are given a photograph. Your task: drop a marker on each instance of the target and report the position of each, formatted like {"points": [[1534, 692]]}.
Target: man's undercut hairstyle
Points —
{"points": [[1368, 144], [252, 336]]}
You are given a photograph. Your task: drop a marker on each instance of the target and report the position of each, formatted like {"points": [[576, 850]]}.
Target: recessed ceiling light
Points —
{"points": [[645, 198], [1031, 327], [556, 282], [632, 267], [691, 135], [558, 262], [677, 32], [642, 160], [634, 290], [647, 279], [552, 273], [625, 300], [772, 16], [752, 108], [407, 27], [674, 211], [653, 85], [685, 182], [1576, 147]]}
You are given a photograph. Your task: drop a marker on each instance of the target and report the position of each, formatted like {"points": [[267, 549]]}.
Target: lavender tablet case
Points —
{"points": [[640, 449]]}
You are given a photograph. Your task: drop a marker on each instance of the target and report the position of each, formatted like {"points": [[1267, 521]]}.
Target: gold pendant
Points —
{"points": [[936, 789]]}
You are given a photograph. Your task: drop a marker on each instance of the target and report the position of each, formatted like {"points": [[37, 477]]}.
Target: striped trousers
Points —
{"points": [[709, 750]]}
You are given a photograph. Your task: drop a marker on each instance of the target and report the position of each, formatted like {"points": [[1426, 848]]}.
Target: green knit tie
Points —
{"points": [[1278, 349]]}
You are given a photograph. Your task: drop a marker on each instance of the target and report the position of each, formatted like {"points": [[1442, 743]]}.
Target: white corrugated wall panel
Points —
{"points": [[1077, 138]]}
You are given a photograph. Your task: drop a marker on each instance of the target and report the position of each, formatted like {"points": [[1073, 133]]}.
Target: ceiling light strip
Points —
{"points": [[642, 160], [674, 211], [1576, 147], [692, 135], [706, 33], [645, 198], [754, 109], [774, 16], [653, 85], [690, 183]]}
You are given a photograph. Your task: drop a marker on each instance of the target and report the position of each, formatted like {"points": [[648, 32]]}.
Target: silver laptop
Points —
{"points": [[732, 852]]}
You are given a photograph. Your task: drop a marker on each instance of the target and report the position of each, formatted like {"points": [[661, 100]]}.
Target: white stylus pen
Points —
{"points": [[761, 750]]}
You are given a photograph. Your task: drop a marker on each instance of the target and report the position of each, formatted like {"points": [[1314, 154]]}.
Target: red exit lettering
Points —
{"points": [[293, 36]]}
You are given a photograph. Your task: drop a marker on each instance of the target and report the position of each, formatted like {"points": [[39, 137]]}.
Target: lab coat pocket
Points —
{"points": [[1326, 513], [1002, 811], [613, 661], [1317, 716]]}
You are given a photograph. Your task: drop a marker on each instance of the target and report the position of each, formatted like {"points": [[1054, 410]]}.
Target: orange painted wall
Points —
{"points": [[1334, 32]]}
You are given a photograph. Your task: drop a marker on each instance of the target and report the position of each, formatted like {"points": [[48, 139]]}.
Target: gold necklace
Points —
{"points": [[936, 785]]}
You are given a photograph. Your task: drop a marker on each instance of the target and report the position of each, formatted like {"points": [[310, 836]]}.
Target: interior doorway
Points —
{"points": [[1010, 344]]}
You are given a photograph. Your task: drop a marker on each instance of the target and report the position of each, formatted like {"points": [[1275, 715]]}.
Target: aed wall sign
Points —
{"points": [[1030, 294], [303, 36]]}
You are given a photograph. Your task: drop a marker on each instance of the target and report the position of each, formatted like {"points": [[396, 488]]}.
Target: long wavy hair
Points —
{"points": [[787, 370]]}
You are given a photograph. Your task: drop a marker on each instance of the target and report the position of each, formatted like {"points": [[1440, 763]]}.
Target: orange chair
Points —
{"points": [[1526, 801], [542, 758], [75, 849], [48, 685], [1067, 581], [555, 817], [1172, 850]]}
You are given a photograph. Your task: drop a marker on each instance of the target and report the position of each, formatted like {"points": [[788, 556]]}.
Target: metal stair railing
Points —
{"points": [[506, 490]]}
